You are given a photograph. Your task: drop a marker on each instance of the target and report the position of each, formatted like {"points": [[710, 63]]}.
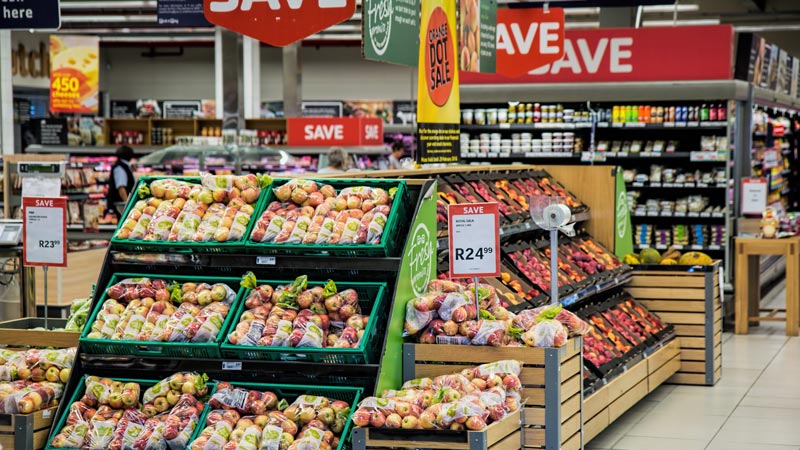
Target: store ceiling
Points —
{"points": [[134, 21]]}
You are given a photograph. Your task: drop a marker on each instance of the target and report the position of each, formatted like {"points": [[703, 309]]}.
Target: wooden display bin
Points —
{"points": [[552, 380], [18, 333], [690, 300], [607, 404], [26, 431], [501, 435]]}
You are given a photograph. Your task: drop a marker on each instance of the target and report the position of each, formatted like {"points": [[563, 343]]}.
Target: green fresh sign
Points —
{"points": [[417, 269], [390, 31], [488, 58], [623, 233]]}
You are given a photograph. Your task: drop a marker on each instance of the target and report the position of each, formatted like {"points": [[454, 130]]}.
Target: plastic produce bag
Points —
{"points": [[213, 437], [528, 318], [491, 332], [547, 332], [419, 313], [192, 382]]}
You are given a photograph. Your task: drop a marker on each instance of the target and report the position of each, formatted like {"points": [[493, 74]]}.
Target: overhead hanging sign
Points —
{"points": [[390, 31], [477, 35], [44, 231], [528, 38], [633, 54], [74, 74], [332, 131], [437, 85], [474, 240], [181, 13], [30, 15], [276, 22]]}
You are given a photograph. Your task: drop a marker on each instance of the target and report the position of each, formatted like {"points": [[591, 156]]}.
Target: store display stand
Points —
{"points": [[690, 300], [551, 377]]}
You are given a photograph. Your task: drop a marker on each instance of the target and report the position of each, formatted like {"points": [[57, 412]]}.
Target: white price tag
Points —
{"points": [[231, 365], [474, 240], [265, 260], [754, 195], [44, 231]]}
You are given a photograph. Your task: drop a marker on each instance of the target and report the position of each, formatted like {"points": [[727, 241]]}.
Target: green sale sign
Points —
{"points": [[390, 31]]}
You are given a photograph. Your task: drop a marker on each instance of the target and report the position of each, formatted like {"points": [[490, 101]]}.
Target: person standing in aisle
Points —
{"points": [[337, 161], [122, 181], [397, 153]]}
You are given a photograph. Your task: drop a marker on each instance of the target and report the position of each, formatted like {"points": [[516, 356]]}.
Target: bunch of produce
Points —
{"points": [[218, 209], [298, 316], [536, 267], [79, 311], [447, 314], [110, 415], [37, 365], [308, 213], [25, 397], [145, 309], [596, 251], [253, 420], [471, 399]]}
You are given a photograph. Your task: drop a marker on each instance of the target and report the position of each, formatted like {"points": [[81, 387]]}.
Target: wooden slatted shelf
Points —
{"points": [[690, 300], [26, 431], [552, 381]]}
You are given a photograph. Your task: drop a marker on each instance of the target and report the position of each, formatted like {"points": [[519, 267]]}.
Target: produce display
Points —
{"points": [[670, 257], [471, 400], [145, 309], [259, 420], [121, 414], [218, 209], [308, 213], [79, 311], [33, 380], [447, 314], [297, 315], [619, 329]]}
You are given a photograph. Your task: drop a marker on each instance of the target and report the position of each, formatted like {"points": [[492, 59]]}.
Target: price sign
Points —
{"points": [[474, 240], [754, 195], [44, 231]]}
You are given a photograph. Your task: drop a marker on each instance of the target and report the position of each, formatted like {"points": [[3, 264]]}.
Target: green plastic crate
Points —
{"points": [[148, 348], [184, 247], [78, 393], [371, 299], [390, 240], [351, 395]]}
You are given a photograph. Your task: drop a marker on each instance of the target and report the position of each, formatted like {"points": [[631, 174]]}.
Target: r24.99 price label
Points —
{"points": [[474, 240], [470, 254]]}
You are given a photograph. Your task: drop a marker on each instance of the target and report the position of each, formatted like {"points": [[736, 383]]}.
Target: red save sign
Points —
{"points": [[278, 22], [328, 131], [528, 38], [474, 234]]}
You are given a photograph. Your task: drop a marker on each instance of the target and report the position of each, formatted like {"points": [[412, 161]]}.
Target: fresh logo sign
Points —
{"points": [[278, 22], [379, 15]]}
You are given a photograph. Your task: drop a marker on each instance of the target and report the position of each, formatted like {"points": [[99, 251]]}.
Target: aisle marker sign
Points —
{"points": [[44, 231], [474, 240]]}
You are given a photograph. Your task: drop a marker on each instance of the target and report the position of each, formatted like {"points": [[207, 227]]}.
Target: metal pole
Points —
{"points": [[45, 297], [553, 267], [477, 299]]}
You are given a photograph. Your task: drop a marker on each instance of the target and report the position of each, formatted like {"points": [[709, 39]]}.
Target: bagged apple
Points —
{"points": [[77, 427], [213, 437], [491, 332], [186, 382]]}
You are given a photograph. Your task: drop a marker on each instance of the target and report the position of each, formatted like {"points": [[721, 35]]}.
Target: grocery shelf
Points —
{"points": [[577, 297], [697, 156], [662, 215], [558, 126], [100, 150], [692, 185], [698, 248], [519, 156], [665, 125]]}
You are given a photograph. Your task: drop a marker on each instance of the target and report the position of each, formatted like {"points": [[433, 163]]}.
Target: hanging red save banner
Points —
{"points": [[278, 22], [528, 38]]}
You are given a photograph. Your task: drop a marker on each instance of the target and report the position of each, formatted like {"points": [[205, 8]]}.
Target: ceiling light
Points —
{"points": [[760, 28], [121, 4], [109, 18], [670, 23], [669, 8], [580, 25]]}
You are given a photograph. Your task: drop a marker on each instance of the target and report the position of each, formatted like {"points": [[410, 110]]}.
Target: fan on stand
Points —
{"points": [[552, 214]]}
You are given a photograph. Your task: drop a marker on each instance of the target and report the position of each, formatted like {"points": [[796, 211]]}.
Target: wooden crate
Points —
{"points": [[18, 333], [502, 435], [608, 403], [552, 382], [26, 431], [691, 302]]}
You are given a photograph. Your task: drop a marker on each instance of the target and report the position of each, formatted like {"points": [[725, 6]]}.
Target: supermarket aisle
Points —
{"points": [[756, 405]]}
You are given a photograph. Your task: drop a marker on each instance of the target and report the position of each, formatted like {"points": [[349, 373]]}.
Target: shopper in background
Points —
{"points": [[337, 161], [397, 153], [122, 181]]}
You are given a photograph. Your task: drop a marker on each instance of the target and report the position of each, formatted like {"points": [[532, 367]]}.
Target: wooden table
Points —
{"points": [[748, 296]]}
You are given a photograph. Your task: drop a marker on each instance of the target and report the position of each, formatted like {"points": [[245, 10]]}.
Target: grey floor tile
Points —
{"points": [[718, 444], [775, 431], [668, 425], [660, 443]]}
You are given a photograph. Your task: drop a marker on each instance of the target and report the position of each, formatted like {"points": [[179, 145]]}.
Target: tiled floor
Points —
{"points": [[756, 405]]}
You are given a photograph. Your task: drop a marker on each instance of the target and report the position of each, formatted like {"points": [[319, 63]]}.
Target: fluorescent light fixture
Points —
{"points": [[669, 8], [670, 23], [580, 11], [121, 4], [760, 28], [109, 18], [580, 25]]}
